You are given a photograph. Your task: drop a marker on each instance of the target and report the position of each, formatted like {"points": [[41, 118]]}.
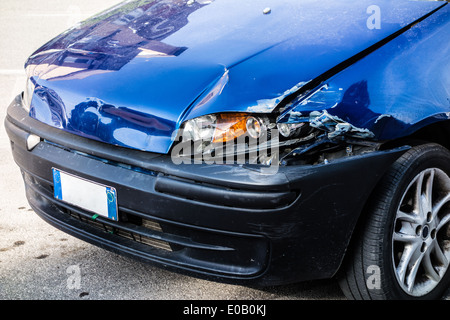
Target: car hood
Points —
{"points": [[132, 74]]}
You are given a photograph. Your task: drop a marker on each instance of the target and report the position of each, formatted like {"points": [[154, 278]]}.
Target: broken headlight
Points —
{"points": [[219, 128], [236, 137], [28, 93]]}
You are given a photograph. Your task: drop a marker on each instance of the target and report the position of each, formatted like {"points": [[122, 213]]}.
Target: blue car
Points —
{"points": [[250, 142]]}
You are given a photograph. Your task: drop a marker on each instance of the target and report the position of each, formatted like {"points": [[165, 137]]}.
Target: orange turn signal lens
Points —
{"points": [[230, 126]]}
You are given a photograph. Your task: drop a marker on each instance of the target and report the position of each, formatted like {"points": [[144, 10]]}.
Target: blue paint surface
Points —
{"points": [[132, 75]]}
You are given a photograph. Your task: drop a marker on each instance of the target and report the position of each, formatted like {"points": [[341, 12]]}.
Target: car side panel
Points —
{"points": [[396, 90]]}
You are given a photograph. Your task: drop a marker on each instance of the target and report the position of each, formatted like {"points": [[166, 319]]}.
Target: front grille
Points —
{"points": [[116, 230]]}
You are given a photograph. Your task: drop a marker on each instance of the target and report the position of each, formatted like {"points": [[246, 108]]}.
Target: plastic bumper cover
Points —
{"points": [[227, 223]]}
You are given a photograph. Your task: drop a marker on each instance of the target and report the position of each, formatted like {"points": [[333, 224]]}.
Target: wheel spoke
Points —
{"points": [[418, 195], [443, 221], [406, 238], [408, 217], [428, 267], [440, 256], [411, 278], [427, 200], [406, 260], [437, 207]]}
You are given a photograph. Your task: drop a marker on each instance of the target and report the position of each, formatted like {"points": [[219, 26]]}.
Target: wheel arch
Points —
{"points": [[438, 133]]}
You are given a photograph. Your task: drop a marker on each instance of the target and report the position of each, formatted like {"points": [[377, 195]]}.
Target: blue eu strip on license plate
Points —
{"points": [[88, 195]]}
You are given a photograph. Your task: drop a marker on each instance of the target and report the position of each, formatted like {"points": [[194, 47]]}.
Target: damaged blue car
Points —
{"points": [[251, 142]]}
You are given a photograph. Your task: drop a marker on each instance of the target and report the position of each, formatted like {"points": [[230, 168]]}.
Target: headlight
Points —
{"points": [[255, 127], [230, 126], [290, 129], [249, 138], [202, 128], [28, 94], [221, 135], [222, 128]]}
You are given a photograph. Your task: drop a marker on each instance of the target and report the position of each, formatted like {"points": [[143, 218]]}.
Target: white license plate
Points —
{"points": [[99, 199]]}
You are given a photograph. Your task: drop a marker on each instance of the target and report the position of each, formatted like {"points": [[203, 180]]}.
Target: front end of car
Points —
{"points": [[236, 156], [237, 223]]}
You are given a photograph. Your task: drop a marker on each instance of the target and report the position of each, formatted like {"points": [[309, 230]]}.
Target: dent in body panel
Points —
{"points": [[157, 48], [389, 94], [120, 125], [268, 105]]}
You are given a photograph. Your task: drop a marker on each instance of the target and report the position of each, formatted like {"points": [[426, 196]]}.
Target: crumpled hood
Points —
{"points": [[132, 74]]}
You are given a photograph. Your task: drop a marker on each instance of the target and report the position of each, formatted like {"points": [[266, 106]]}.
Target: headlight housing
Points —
{"points": [[211, 132], [237, 137], [219, 128], [28, 93], [303, 132]]}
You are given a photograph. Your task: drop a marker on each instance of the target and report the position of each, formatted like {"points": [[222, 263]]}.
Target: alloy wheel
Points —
{"points": [[421, 236]]}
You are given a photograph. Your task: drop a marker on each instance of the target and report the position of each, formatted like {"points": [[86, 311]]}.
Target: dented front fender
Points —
{"points": [[391, 93]]}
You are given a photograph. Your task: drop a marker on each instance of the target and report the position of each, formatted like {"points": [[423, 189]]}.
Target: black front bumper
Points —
{"points": [[221, 222]]}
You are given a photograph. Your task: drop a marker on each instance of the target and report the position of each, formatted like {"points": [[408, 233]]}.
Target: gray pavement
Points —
{"points": [[38, 262]]}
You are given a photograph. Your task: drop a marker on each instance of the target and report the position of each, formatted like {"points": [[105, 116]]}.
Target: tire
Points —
{"points": [[402, 249]]}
